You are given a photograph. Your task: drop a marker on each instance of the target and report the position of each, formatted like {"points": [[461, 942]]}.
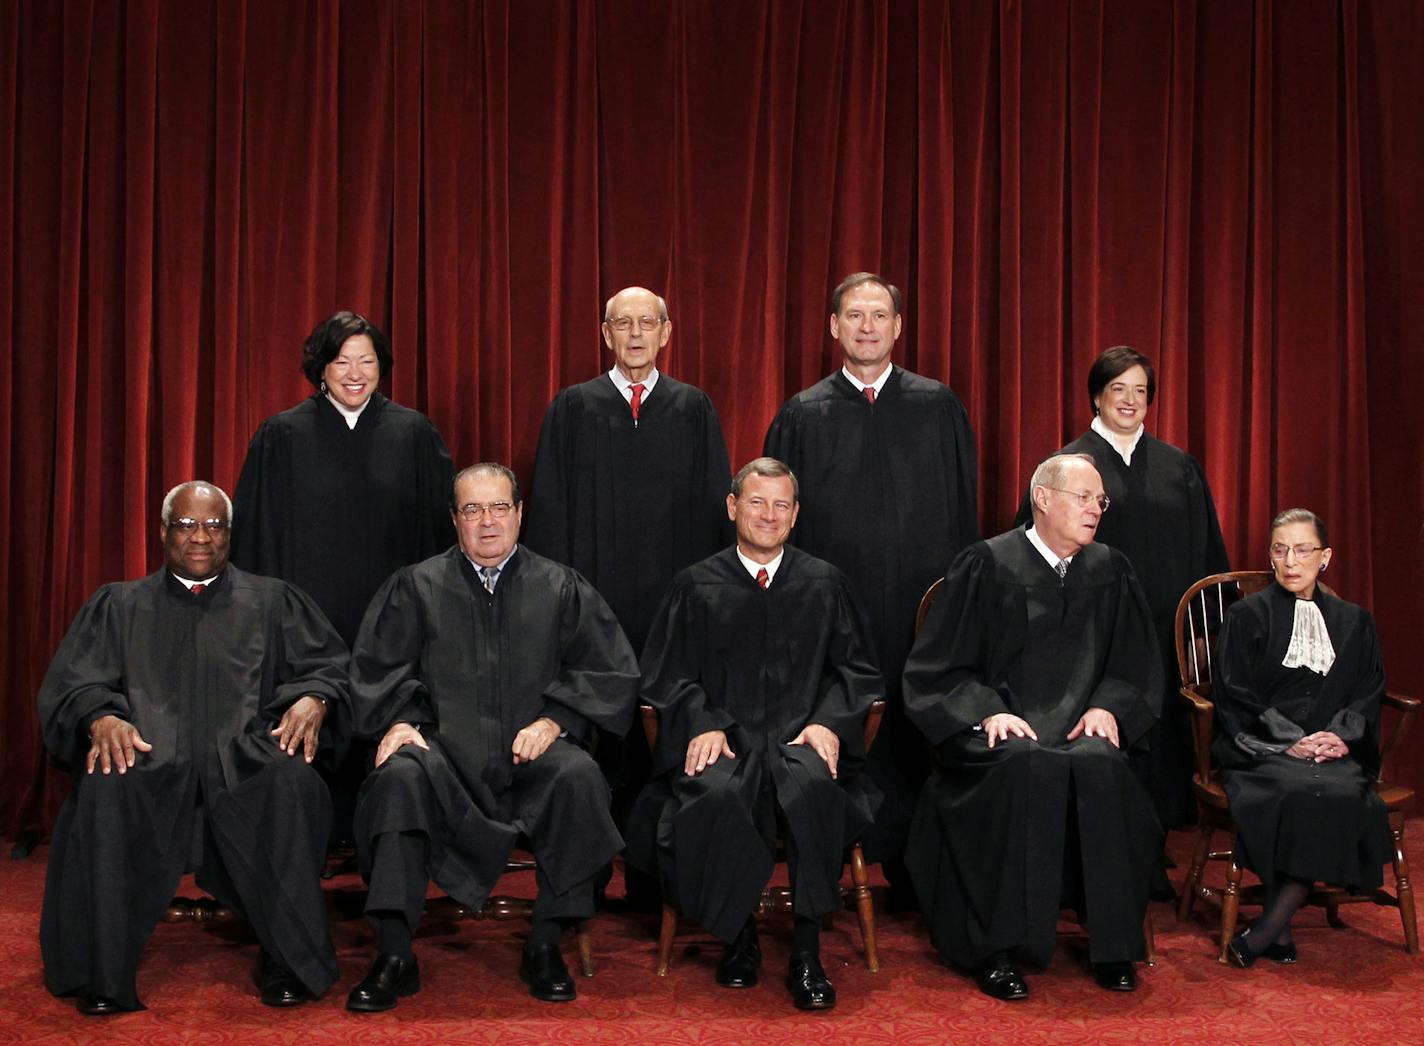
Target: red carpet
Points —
{"points": [[1351, 985]]}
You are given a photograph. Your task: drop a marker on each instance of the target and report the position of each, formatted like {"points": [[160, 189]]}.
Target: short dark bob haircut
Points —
{"points": [[1116, 361], [327, 337], [856, 279]]}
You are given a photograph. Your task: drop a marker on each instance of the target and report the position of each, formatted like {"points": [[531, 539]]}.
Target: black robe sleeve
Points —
{"points": [[851, 683], [944, 687], [1132, 680], [85, 680], [548, 527], [385, 664], [256, 541]]}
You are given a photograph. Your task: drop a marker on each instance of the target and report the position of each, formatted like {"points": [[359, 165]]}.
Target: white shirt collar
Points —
{"points": [[623, 385], [499, 567], [1049, 556], [189, 584], [877, 384], [349, 415], [753, 567], [1124, 445]]}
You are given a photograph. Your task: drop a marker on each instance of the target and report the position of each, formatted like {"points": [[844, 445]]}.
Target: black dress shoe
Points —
{"points": [[1282, 953], [278, 985], [1237, 951], [810, 988], [999, 979], [390, 978], [543, 969], [741, 960], [97, 1006], [1115, 976]]}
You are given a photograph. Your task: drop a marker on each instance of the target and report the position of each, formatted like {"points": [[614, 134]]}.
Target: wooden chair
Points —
{"points": [[1198, 623], [927, 601], [778, 898]]}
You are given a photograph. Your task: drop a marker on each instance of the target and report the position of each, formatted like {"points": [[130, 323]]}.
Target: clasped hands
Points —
{"points": [[1095, 722], [113, 742], [706, 748], [1319, 747], [529, 744]]}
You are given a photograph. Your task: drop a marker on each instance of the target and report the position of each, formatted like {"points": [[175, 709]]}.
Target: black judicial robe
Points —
{"points": [[334, 509], [629, 506], [1299, 818], [204, 679], [761, 665], [1163, 519], [994, 832], [888, 496], [472, 670]]}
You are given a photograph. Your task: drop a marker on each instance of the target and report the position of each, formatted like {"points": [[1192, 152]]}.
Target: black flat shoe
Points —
{"points": [[999, 979], [810, 988], [1282, 953], [96, 1006], [388, 980], [1115, 976], [279, 986], [1237, 953], [741, 960], [543, 969]]}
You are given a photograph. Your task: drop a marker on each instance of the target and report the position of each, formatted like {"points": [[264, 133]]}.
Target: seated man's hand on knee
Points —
{"points": [[1096, 722], [823, 741], [301, 726], [112, 743], [399, 734], [1002, 725], [534, 740], [705, 749]]}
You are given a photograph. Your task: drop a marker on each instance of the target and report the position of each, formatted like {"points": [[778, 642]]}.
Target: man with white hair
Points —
{"points": [[181, 702], [1035, 671]]}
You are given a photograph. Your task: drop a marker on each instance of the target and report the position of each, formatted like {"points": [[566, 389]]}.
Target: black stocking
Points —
{"points": [[1283, 898]]}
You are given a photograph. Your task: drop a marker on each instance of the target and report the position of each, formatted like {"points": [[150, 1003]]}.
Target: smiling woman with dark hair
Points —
{"points": [[1163, 519], [345, 487], [1298, 688]]}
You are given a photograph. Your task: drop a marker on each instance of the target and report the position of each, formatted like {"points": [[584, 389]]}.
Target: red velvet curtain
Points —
{"points": [[185, 188]]}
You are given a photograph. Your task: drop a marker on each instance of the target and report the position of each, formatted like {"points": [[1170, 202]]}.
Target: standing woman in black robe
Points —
{"points": [[340, 491], [346, 487], [1164, 520], [1298, 687]]}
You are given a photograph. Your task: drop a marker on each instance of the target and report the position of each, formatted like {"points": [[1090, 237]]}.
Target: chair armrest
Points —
{"points": [[873, 715], [649, 715], [1402, 702], [1406, 707], [1202, 711]]}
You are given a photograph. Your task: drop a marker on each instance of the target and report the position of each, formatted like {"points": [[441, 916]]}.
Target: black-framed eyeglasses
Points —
{"points": [[475, 511], [1084, 497], [623, 324], [187, 525], [1302, 552]]}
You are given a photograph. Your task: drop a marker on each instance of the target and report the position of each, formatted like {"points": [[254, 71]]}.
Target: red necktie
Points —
{"points": [[763, 578], [195, 589], [637, 391], [869, 391]]}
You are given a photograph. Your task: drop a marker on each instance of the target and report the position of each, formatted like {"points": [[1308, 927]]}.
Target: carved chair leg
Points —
{"points": [[667, 932], [1230, 905], [585, 947], [1332, 913], [1194, 874], [1404, 890], [864, 909]]}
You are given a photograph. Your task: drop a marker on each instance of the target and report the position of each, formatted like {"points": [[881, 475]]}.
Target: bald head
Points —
{"points": [[636, 327]]}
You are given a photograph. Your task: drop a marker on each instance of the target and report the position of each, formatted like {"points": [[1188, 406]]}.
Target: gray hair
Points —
{"points": [[193, 484], [662, 304], [770, 468], [486, 468], [1051, 472], [1303, 515]]}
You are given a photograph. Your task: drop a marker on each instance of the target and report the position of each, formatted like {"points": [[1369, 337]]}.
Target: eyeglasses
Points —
{"points": [[1302, 552], [623, 324], [475, 511], [1083, 497], [187, 525]]}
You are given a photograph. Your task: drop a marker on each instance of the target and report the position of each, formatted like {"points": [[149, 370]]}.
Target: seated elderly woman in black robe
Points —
{"points": [[1299, 680]]}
